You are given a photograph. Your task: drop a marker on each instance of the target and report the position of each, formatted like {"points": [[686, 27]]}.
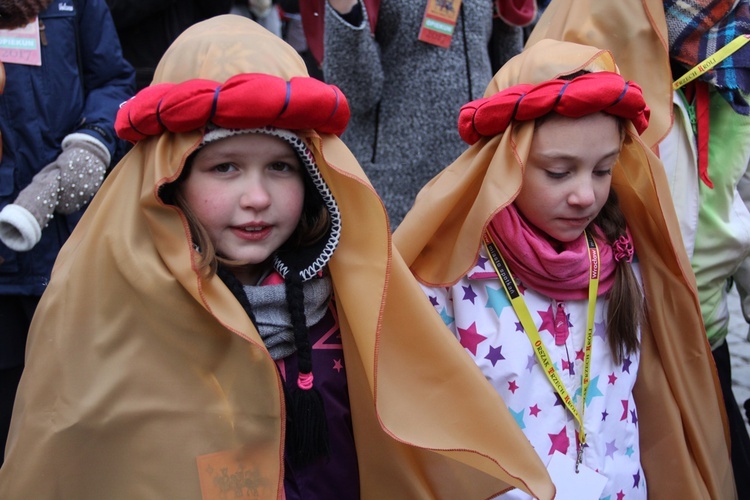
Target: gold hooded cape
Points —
{"points": [[635, 31], [144, 380], [684, 452]]}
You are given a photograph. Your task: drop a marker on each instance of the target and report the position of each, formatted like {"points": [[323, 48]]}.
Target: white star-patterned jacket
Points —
{"points": [[480, 315]]}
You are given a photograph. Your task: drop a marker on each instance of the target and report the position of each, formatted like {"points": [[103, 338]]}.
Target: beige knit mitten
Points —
{"points": [[63, 186]]}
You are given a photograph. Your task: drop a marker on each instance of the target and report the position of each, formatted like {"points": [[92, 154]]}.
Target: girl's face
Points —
{"points": [[568, 173], [247, 191]]}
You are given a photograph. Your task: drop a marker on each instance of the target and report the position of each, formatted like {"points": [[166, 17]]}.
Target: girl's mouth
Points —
{"points": [[252, 233]]}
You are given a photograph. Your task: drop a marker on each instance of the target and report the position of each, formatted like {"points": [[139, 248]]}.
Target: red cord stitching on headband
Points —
{"points": [[516, 106], [214, 103], [287, 98], [335, 106], [622, 94], [249, 100], [158, 118], [590, 93], [560, 94], [130, 122]]}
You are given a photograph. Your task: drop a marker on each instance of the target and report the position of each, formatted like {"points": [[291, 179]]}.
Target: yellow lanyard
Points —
{"points": [[522, 311], [711, 61]]}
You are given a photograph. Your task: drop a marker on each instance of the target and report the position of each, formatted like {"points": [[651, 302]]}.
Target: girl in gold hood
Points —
{"points": [[551, 250], [229, 319]]}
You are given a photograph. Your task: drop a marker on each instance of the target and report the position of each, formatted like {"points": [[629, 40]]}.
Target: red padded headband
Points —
{"points": [[250, 100], [601, 91]]}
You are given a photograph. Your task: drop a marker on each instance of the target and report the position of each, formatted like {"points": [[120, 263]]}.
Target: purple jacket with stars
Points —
{"points": [[479, 313]]}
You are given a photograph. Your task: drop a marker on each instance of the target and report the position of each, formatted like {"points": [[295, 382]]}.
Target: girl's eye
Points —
{"points": [[555, 175], [223, 167], [281, 166], [603, 173]]}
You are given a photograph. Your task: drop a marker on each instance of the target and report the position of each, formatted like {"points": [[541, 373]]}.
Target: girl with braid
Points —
{"points": [[551, 250], [230, 320]]}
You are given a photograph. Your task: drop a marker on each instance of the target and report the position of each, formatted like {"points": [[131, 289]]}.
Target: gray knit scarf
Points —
{"points": [[272, 316]]}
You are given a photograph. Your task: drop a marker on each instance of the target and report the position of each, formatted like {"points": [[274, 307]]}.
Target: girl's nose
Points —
{"points": [[583, 195], [255, 195]]}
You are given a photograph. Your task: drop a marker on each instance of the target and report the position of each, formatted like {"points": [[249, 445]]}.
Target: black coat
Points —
{"points": [[148, 27]]}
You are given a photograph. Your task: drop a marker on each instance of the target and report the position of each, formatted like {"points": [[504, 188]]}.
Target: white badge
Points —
{"points": [[21, 45], [586, 484]]}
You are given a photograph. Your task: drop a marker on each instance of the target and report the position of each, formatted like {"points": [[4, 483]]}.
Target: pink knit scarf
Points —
{"points": [[561, 275]]}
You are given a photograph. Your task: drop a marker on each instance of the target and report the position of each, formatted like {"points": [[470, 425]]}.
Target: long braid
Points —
{"points": [[307, 434], [625, 311], [295, 300]]}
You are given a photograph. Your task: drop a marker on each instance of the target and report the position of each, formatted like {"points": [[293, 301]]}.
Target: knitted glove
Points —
{"points": [[63, 186]]}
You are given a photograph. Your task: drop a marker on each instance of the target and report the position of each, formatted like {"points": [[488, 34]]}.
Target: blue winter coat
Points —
{"points": [[78, 88]]}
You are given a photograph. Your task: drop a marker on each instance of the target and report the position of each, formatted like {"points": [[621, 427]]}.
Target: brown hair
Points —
{"points": [[625, 312], [18, 13]]}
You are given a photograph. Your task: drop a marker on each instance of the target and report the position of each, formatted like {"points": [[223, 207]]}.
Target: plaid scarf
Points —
{"points": [[698, 28]]}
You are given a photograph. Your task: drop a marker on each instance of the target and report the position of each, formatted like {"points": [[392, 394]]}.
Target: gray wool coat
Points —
{"points": [[405, 95]]}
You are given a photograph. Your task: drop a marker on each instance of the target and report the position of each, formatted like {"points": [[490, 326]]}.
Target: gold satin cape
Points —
{"points": [[145, 380], [635, 31], [684, 452]]}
